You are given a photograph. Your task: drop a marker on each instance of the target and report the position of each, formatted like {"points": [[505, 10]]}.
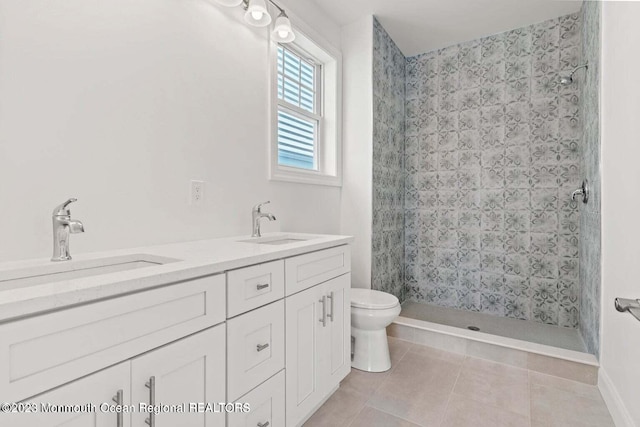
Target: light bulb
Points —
{"points": [[257, 13], [282, 32]]}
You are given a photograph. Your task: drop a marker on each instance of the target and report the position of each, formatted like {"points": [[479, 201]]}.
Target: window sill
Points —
{"points": [[302, 177]]}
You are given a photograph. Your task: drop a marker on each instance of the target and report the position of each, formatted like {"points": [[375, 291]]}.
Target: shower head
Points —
{"points": [[568, 79]]}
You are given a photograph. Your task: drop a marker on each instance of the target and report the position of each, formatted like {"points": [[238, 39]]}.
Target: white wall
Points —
{"points": [[620, 354], [357, 56], [120, 103]]}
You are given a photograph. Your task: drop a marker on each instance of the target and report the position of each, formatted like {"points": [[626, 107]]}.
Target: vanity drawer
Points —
{"points": [[255, 348], [253, 287], [42, 352], [267, 405], [304, 271]]}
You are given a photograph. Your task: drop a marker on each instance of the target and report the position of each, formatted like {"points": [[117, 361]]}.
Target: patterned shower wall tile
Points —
{"points": [[544, 243], [492, 241], [516, 265], [568, 268], [545, 86], [517, 178], [517, 242], [545, 291], [469, 278], [492, 262], [492, 303], [493, 178], [517, 307], [517, 134], [517, 89], [517, 286], [492, 145], [568, 315], [469, 240], [469, 219], [569, 151], [517, 113], [543, 266], [568, 291], [492, 282], [544, 176], [568, 245], [569, 31], [491, 200], [469, 259], [517, 199], [546, 313], [517, 220], [448, 239], [492, 220]]}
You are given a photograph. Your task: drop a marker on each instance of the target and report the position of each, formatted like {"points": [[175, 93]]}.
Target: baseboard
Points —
{"points": [[619, 413]]}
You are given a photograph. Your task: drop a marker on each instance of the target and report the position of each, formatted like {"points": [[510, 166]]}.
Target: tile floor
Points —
{"points": [[429, 387]]}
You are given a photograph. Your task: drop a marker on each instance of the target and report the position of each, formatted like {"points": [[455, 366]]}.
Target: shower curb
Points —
{"points": [[568, 364]]}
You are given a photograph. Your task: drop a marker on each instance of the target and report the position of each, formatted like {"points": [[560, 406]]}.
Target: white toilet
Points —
{"points": [[371, 312]]}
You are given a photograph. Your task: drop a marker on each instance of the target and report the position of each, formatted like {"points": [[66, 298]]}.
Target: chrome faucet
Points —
{"points": [[256, 214], [63, 226]]}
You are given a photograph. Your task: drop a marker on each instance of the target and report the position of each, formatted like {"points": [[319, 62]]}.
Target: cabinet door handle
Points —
{"points": [[119, 399], [323, 319], [151, 385], [261, 347], [330, 315], [263, 424], [261, 287]]}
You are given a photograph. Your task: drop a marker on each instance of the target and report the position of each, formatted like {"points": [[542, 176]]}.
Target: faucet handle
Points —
{"points": [[62, 209], [259, 205]]}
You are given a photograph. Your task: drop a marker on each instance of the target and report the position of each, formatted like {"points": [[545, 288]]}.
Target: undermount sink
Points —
{"points": [[275, 240], [68, 270]]}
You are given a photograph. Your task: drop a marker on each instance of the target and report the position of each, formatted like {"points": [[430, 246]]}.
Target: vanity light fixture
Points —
{"points": [[258, 15]]}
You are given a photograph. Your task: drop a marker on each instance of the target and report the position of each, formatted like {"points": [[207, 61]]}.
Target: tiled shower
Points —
{"points": [[492, 147]]}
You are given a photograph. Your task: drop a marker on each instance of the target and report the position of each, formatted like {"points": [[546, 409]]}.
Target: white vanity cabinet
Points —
{"points": [[111, 385], [273, 335], [318, 329], [190, 370]]}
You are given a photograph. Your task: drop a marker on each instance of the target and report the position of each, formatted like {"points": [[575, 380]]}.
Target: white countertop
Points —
{"points": [[194, 259]]}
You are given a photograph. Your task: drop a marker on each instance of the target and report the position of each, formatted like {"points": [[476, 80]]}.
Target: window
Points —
{"points": [[305, 143], [298, 110]]}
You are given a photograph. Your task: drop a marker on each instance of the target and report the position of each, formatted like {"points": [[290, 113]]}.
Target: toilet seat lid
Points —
{"points": [[368, 298]]}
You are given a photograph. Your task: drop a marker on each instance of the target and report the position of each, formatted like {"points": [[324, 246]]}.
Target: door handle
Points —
{"points": [[261, 287], [119, 400], [323, 319], [261, 347], [330, 315], [631, 306], [151, 385]]}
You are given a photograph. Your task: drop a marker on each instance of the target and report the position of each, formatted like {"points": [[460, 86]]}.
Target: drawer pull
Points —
{"points": [[261, 347], [263, 424], [261, 287], [151, 385], [119, 400]]}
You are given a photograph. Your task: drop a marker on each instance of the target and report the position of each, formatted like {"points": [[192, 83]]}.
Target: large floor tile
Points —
{"points": [[397, 349], [339, 410], [575, 387], [418, 388], [371, 417], [463, 412], [551, 407], [503, 386]]}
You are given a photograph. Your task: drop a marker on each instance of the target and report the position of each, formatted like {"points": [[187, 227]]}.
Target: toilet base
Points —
{"points": [[371, 350]]}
